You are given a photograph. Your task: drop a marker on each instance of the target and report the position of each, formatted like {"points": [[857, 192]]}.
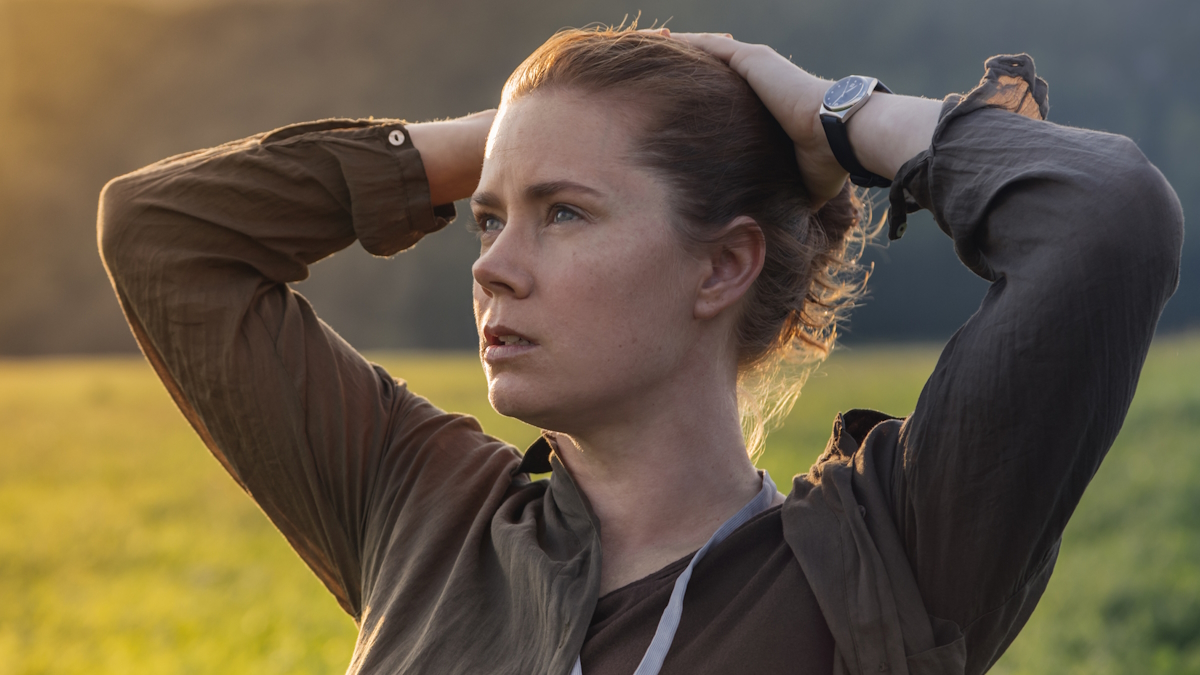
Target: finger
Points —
{"points": [[701, 35], [720, 45]]}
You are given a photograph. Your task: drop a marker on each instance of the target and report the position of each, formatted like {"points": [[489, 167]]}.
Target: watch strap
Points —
{"points": [[839, 142]]}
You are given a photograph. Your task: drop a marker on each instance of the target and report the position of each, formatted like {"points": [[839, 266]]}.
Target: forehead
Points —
{"points": [[562, 135]]}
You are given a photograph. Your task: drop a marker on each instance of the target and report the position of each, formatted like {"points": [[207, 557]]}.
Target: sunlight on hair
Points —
{"points": [[768, 390], [723, 155]]}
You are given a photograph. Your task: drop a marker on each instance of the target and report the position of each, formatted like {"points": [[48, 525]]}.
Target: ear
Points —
{"points": [[732, 262]]}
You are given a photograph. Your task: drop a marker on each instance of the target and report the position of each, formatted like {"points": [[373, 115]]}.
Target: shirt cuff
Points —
{"points": [[389, 194], [1010, 82]]}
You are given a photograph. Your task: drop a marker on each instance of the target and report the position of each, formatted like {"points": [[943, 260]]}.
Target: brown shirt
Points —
{"points": [[918, 545]]}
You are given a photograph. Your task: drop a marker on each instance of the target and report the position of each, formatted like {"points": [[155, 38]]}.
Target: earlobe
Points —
{"points": [[735, 259]]}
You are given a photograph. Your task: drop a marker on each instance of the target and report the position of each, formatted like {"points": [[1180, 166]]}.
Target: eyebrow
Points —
{"points": [[537, 191]]}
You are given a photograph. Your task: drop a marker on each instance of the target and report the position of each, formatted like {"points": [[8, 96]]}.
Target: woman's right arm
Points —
{"points": [[201, 248]]}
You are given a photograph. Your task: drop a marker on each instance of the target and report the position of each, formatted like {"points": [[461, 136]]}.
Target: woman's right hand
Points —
{"points": [[452, 152]]}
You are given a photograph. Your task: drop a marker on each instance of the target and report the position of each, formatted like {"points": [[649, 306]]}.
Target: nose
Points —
{"points": [[504, 267]]}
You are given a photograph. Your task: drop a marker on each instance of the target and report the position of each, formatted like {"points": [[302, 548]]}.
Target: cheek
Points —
{"points": [[629, 305], [477, 299]]}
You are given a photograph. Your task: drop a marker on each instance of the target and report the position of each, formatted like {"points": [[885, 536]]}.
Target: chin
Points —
{"points": [[535, 405], [511, 399]]}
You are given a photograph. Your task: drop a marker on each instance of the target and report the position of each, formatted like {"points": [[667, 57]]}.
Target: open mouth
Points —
{"points": [[509, 340], [501, 336]]}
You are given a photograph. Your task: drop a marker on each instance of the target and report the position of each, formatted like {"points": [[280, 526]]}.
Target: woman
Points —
{"points": [[663, 222]]}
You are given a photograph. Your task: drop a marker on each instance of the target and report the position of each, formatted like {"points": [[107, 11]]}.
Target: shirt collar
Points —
{"points": [[537, 457]]}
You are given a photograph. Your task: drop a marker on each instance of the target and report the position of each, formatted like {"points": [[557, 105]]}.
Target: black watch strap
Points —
{"points": [[839, 142]]}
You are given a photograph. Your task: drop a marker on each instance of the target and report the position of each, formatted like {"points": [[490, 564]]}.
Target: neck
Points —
{"points": [[662, 477]]}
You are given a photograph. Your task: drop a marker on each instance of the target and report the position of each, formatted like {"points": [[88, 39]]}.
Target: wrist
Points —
{"points": [[889, 130], [452, 154], [824, 175], [840, 103]]}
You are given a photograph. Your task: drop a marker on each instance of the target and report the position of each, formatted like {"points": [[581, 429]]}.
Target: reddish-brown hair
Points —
{"points": [[723, 155]]}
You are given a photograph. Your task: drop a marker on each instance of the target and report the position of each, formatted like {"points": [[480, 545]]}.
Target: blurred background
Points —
{"points": [[90, 89], [124, 548]]}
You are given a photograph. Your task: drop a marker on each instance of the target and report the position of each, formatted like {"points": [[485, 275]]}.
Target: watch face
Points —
{"points": [[846, 92]]}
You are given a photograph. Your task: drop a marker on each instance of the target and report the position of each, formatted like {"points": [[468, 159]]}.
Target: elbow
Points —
{"points": [[1144, 215], [115, 219]]}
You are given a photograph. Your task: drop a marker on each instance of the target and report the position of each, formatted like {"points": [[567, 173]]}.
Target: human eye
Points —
{"points": [[486, 224], [561, 213]]}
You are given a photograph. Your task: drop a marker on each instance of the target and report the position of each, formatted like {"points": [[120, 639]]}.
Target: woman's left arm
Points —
{"points": [[1080, 236]]}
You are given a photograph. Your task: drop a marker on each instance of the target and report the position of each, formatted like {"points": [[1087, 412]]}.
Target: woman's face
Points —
{"points": [[584, 294]]}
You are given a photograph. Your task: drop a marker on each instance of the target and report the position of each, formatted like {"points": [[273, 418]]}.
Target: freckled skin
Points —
{"points": [[598, 281]]}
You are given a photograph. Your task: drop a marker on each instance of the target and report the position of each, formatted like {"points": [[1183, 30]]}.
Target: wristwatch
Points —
{"points": [[841, 101]]}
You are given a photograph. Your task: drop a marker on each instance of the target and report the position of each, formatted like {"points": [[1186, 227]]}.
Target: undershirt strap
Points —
{"points": [[667, 625]]}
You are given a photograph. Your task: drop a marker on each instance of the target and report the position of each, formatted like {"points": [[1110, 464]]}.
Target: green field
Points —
{"points": [[124, 548]]}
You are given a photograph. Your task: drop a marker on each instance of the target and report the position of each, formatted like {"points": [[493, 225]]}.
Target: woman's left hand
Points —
{"points": [[793, 96], [884, 134]]}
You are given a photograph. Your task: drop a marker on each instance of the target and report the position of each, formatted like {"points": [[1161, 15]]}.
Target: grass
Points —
{"points": [[1125, 596], [124, 547]]}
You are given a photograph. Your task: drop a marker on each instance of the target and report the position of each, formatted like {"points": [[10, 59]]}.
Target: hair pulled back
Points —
{"points": [[723, 155]]}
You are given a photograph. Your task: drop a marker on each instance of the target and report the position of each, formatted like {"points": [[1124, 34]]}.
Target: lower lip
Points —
{"points": [[498, 353]]}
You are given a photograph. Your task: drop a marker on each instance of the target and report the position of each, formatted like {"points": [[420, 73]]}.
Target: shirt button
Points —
{"points": [[396, 138]]}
